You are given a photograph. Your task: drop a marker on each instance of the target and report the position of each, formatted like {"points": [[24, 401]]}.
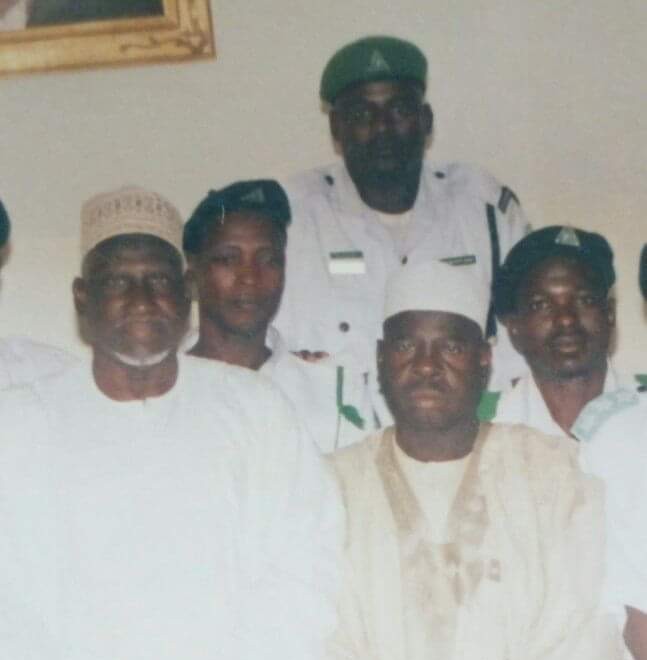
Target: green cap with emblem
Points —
{"points": [[371, 59], [556, 241]]}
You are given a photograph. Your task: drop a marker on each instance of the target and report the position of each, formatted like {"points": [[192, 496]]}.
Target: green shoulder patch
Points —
{"points": [[598, 411]]}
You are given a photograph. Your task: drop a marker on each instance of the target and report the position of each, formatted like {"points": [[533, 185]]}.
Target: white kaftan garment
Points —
{"points": [[23, 361], [197, 525], [339, 255], [514, 572]]}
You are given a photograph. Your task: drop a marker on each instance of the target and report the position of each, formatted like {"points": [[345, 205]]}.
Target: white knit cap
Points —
{"points": [[129, 210], [434, 286]]}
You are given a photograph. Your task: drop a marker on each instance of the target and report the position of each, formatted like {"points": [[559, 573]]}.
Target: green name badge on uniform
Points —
{"points": [[464, 260], [350, 262]]}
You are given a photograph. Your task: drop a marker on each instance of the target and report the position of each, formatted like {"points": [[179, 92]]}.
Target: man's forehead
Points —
{"points": [[565, 269], [381, 90], [430, 323], [132, 249]]}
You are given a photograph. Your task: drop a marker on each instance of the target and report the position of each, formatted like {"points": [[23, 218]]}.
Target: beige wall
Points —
{"points": [[548, 95]]}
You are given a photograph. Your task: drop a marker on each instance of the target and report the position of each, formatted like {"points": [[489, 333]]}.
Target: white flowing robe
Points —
{"points": [[197, 525], [522, 580]]}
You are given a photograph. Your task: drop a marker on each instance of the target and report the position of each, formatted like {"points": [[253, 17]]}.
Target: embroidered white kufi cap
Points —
{"points": [[129, 210], [434, 286]]}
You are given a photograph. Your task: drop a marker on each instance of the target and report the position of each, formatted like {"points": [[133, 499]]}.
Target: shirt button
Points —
{"points": [[344, 327], [404, 260]]}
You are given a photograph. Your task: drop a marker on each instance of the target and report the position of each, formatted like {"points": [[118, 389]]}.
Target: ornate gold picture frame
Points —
{"points": [[165, 30]]}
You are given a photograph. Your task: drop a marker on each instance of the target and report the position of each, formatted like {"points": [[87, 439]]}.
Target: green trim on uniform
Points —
{"points": [[642, 380], [346, 411], [487, 407], [598, 411]]}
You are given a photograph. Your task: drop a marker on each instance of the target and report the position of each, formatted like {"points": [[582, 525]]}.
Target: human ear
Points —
{"points": [[611, 312], [80, 293], [334, 123], [427, 119]]}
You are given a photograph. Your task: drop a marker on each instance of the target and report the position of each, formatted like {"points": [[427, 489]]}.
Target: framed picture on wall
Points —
{"points": [[45, 35]]}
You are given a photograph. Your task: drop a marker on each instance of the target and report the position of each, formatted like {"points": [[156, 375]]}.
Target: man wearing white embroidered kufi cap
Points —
{"points": [[155, 505], [466, 540]]}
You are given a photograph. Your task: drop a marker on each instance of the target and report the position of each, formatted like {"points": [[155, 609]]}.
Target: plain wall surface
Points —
{"points": [[549, 96]]}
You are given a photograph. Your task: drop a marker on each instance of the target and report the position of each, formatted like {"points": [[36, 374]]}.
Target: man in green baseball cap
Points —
{"points": [[385, 205]]}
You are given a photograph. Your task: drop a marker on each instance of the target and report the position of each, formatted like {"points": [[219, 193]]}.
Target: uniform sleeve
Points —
{"points": [[293, 539]]}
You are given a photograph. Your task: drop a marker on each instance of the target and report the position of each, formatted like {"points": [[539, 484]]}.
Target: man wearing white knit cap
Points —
{"points": [[466, 541], [156, 505]]}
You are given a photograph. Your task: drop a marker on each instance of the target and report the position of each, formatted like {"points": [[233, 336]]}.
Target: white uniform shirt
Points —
{"points": [[613, 434], [196, 525], [311, 387], [23, 361], [339, 255], [524, 404]]}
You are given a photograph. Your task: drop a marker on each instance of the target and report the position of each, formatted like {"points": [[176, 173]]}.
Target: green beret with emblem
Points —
{"points": [[369, 60], [264, 197], [555, 241]]}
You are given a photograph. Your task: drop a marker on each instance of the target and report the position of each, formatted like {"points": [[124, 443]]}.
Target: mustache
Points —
{"points": [[577, 335], [436, 384], [384, 143], [151, 319]]}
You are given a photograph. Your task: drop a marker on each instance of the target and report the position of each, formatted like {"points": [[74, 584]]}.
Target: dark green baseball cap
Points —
{"points": [[371, 59]]}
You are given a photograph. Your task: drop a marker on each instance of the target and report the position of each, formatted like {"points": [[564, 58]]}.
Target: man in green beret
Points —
{"points": [[553, 294], [235, 243], [358, 221]]}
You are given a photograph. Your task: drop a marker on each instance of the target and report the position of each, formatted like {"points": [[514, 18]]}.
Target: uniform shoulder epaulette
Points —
{"points": [[506, 197], [598, 411], [461, 179]]}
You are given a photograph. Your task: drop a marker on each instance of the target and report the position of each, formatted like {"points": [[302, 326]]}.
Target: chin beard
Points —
{"points": [[141, 362]]}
